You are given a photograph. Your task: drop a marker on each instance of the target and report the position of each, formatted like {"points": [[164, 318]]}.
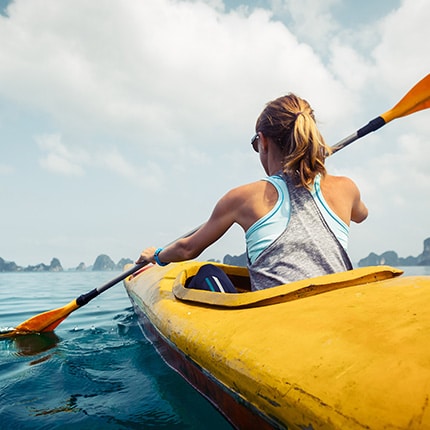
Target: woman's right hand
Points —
{"points": [[146, 256]]}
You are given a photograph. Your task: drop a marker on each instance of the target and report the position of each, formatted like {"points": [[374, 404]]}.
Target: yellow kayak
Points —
{"points": [[344, 351]]}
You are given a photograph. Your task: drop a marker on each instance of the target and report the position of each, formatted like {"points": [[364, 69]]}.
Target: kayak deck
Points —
{"points": [[347, 350], [283, 293]]}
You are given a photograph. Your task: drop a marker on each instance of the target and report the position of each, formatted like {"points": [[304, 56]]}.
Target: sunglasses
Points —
{"points": [[254, 142]]}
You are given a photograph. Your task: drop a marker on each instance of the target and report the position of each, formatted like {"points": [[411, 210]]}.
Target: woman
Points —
{"points": [[296, 221]]}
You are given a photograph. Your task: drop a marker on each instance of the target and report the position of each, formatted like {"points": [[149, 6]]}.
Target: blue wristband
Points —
{"points": [[157, 259]]}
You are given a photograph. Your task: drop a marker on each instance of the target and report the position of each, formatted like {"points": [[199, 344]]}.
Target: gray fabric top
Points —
{"points": [[307, 248]]}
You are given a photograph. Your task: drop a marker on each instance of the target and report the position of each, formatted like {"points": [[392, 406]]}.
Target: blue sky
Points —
{"points": [[122, 123]]}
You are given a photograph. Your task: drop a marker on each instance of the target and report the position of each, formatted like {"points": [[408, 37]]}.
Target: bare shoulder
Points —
{"points": [[250, 202], [245, 192], [340, 180], [341, 183]]}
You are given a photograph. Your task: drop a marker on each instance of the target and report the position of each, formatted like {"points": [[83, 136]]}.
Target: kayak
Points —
{"points": [[343, 351]]}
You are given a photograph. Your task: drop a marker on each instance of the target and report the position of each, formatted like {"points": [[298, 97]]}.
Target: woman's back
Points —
{"points": [[304, 245]]}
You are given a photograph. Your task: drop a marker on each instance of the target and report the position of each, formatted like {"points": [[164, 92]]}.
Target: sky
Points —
{"points": [[123, 122]]}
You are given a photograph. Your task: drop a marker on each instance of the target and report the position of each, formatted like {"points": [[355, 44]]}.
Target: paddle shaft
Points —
{"points": [[83, 299], [416, 99], [373, 125]]}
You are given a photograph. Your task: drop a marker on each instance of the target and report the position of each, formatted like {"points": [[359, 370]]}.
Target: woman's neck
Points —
{"points": [[274, 165]]}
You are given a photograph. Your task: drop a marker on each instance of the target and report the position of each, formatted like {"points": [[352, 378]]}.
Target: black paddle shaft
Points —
{"points": [[83, 299], [373, 125]]}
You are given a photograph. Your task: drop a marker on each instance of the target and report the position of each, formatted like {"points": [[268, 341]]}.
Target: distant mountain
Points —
{"points": [[8, 266], [102, 263], [123, 262], [236, 260], [11, 266], [391, 258]]}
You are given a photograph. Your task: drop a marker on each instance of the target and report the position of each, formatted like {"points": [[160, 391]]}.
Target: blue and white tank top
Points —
{"points": [[268, 228], [306, 248]]}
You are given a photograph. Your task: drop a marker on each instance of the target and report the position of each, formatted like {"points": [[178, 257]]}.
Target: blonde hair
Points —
{"points": [[289, 121]]}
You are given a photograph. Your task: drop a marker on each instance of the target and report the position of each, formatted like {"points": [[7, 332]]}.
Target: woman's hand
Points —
{"points": [[146, 256]]}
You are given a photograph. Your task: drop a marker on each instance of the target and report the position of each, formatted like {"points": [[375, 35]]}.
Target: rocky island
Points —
{"points": [[102, 263], [391, 258]]}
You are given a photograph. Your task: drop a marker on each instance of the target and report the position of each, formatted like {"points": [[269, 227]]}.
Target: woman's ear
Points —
{"points": [[264, 142]]}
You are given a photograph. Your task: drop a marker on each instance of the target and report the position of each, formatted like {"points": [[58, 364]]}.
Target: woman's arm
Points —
{"points": [[343, 197], [359, 210], [222, 218]]}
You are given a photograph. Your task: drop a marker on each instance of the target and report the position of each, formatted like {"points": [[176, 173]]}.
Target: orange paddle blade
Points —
{"points": [[44, 322], [418, 98]]}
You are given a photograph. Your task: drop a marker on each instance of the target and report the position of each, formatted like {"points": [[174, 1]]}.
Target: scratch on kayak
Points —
{"points": [[416, 420], [269, 400], [326, 405], [345, 371]]}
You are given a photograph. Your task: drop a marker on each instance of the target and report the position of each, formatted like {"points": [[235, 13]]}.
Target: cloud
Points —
{"points": [[400, 56], [148, 175], [68, 160], [161, 96], [412, 149], [60, 159], [156, 67], [311, 20], [6, 169]]}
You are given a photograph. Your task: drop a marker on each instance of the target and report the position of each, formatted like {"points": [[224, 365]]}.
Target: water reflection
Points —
{"points": [[34, 343]]}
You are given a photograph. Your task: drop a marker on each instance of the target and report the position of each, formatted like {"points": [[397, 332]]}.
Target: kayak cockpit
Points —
{"points": [[283, 293]]}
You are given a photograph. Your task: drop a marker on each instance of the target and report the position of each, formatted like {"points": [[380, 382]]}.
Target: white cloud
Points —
{"points": [[170, 67], [6, 169], [164, 94], [401, 56], [312, 20], [353, 70], [60, 159], [412, 150], [68, 160], [149, 175]]}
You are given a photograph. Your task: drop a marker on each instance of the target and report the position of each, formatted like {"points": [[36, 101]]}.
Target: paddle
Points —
{"points": [[416, 99], [48, 321]]}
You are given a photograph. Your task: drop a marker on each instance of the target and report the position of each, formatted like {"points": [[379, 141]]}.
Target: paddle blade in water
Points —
{"points": [[44, 322]]}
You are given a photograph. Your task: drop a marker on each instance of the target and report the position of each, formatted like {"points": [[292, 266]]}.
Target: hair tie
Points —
{"points": [[299, 113]]}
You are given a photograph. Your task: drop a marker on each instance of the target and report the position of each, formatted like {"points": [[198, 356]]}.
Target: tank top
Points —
{"points": [[265, 230], [294, 239]]}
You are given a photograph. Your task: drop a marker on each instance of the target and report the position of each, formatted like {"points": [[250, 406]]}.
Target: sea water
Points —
{"points": [[96, 371]]}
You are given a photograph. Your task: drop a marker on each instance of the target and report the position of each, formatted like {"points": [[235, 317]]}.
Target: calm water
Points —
{"points": [[96, 372]]}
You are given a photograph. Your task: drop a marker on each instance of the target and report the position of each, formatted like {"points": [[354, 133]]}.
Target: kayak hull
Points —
{"points": [[238, 413], [342, 351]]}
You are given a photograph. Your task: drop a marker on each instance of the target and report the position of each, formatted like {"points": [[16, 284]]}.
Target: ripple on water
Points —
{"points": [[96, 371]]}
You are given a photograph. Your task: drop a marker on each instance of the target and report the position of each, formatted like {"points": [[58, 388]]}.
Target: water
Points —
{"points": [[416, 270], [97, 371]]}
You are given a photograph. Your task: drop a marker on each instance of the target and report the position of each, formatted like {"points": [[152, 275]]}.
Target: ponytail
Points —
{"points": [[289, 121]]}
